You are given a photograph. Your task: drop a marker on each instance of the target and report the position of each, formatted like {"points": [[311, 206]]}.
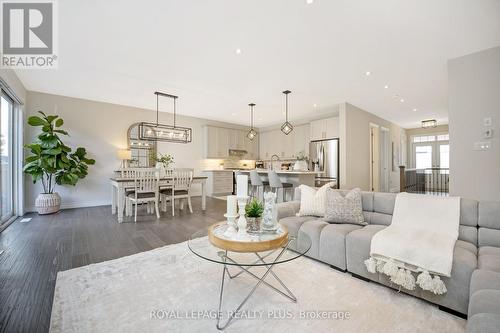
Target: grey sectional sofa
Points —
{"points": [[484, 304], [347, 246]]}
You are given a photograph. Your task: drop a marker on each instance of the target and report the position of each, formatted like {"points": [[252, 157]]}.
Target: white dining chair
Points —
{"points": [[146, 190], [181, 189]]}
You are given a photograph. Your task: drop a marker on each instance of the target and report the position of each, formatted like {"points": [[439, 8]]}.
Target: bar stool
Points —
{"points": [[276, 184], [256, 184]]}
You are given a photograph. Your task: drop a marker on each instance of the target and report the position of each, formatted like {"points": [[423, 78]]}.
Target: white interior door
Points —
{"points": [[374, 158]]}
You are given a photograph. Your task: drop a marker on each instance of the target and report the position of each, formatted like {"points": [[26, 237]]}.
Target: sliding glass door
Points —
{"points": [[6, 159]]}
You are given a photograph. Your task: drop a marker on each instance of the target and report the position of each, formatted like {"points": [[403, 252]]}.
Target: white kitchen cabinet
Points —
{"points": [[275, 142], [324, 129], [217, 142], [237, 139], [301, 140]]}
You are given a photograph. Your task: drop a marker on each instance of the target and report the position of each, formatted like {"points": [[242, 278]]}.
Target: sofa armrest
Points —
{"points": [[287, 209]]}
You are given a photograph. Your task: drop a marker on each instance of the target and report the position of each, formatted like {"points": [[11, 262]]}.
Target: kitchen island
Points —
{"points": [[289, 176]]}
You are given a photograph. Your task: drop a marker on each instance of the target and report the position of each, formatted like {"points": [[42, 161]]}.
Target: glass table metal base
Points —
{"points": [[260, 280]]}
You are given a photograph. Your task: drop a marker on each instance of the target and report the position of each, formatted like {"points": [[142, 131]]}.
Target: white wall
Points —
{"points": [[355, 147], [11, 79], [102, 129], [474, 94]]}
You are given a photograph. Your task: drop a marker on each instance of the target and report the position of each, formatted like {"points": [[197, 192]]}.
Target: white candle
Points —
{"points": [[231, 205], [242, 186]]}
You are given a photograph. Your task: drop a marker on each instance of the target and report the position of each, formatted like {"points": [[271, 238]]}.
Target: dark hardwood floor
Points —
{"points": [[34, 252]]}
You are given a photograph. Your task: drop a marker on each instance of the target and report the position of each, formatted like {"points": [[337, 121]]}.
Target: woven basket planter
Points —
{"points": [[48, 203]]}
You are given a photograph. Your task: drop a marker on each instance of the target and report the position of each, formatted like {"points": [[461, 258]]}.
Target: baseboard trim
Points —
{"points": [[338, 269], [453, 312], [360, 277], [76, 204]]}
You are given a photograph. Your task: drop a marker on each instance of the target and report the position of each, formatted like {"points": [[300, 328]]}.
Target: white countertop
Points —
{"points": [[286, 172]]}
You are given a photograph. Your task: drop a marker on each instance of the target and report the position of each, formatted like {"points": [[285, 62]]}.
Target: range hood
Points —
{"points": [[237, 152]]}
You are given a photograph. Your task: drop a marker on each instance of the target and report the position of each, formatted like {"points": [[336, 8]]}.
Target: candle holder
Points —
{"points": [[231, 225], [242, 221]]}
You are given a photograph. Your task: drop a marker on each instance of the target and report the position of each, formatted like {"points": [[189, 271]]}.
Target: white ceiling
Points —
{"points": [[122, 51]]}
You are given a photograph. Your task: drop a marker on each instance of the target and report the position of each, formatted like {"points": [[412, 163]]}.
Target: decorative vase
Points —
{"points": [[300, 165], [253, 224], [48, 203], [270, 216]]}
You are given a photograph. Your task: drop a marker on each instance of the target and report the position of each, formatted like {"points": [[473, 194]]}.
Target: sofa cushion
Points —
{"points": [[293, 223], [380, 218], [384, 202], [468, 234], [288, 209], [332, 243], [312, 228], [489, 214], [489, 262], [483, 280], [488, 237], [489, 250], [468, 212], [483, 323], [485, 301], [467, 246], [464, 264], [358, 249], [344, 208]]}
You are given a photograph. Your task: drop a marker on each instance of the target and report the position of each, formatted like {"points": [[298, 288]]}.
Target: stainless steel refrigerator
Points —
{"points": [[324, 158]]}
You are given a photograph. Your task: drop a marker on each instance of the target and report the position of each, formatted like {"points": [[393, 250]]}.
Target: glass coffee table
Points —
{"points": [[265, 249]]}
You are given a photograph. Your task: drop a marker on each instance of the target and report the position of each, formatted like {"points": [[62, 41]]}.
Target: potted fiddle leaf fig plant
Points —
{"points": [[253, 212], [52, 162]]}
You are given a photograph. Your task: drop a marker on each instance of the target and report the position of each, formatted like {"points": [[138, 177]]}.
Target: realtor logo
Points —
{"points": [[28, 34]]}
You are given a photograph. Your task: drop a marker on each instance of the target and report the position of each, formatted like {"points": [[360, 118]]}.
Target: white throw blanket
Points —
{"points": [[421, 238]]}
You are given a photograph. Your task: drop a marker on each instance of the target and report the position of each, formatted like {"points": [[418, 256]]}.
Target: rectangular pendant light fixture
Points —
{"points": [[430, 123], [162, 132]]}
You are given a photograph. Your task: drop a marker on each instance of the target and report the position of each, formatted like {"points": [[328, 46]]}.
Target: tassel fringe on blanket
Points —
{"points": [[404, 277]]}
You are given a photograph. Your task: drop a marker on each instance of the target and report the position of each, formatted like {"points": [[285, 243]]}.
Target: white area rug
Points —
{"points": [[138, 293]]}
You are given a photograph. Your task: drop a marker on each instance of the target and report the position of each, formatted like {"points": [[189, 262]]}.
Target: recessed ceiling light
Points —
{"points": [[386, 87], [402, 100], [233, 114], [309, 2], [238, 51], [368, 73], [315, 105], [415, 110]]}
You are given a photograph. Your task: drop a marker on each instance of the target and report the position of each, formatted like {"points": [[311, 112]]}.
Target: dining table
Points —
{"points": [[119, 184]]}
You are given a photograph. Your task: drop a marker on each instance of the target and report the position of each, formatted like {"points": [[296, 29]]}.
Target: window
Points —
{"points": [[431, 151], [6, 159], [423, 157], [443, 137]]}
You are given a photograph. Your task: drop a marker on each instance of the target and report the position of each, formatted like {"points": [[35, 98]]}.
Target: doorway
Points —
{"points": [[431, 151], [374, 158], [384, 159]]}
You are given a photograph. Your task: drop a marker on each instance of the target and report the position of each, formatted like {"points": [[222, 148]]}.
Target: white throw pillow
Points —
{"points": [[312, 200]]}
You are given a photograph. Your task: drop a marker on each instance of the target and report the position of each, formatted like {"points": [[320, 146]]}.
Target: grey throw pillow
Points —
{"points": [[344, 209]]}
